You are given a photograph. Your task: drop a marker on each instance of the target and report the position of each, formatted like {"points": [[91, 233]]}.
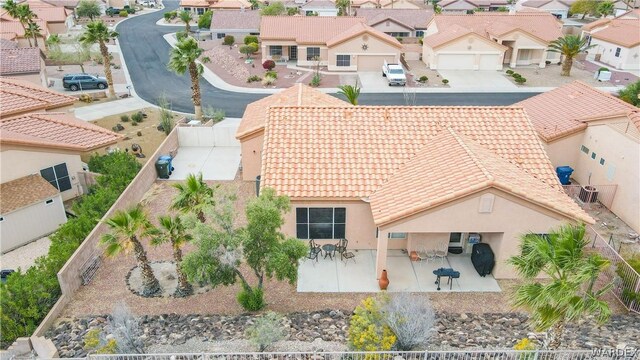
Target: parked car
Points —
{"points": [[75, 82], [394, 73], [111, 11], [4, 273], [149, 3]]}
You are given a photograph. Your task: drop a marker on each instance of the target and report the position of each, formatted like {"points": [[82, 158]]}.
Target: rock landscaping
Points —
{"points": [[326, 330]]}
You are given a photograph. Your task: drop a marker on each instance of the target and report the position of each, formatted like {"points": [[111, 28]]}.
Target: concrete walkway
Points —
{"points": [[98, 111]]}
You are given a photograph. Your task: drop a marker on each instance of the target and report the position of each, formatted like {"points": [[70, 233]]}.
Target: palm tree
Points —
{"points": [[568, 294], [606, 8], [172, 230], [186, 17], [33, 30], [127, 228], [569, 46], [22, 13], [351, 92], [98, 33], [53, 42], [193, 196], [631, 94], [182, 59]]}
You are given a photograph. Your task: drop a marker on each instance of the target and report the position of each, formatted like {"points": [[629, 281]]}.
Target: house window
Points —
{"points": [[593, 155], [275, 50], [584, 149], [58, 176], [398, 34], [617, 52], [602, 161], [320, 223], [221, 35], [397, 235], [187, 9], [343, 60], [313, 53], [199, 11], [420, 33], [49, 202]]}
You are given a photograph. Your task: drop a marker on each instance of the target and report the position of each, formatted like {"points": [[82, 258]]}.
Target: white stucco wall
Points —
{"points": [[628, 59]]}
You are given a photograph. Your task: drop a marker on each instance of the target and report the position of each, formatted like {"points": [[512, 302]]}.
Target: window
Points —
{"points": [[221, 35], [199, 11], [254, 33], [420, 33], [343, 60], [313, 53], [397, 235], [48, 202], [187, 9], [320, 223], [58, 176], [584, 149], [602, 161], [275, 50], [593, 155], [398, 34], [617, 52]]}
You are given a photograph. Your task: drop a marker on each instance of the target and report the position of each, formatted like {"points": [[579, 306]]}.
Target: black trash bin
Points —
{"points": [[163, 168]]}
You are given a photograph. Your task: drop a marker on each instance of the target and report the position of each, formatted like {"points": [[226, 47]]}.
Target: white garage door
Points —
{"points": [[373, 62], [456, 61], [489, 62]]}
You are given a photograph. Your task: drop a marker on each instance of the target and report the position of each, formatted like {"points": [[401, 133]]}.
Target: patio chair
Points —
{"points": [[441, 251], [425, 255], [346, 255], [314, 250], [341, 246]]}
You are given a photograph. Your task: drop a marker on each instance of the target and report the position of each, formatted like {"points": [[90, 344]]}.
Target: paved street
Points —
{"points": [[146, 54]]}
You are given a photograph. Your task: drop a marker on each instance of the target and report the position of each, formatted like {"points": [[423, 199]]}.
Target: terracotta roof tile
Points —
{"points": [[194, 3], [255, 114], [55, 130], [414, 18], [451, 166], [236, 20], [306, 29], [361, 28], [19, 96], [625, 32], [13, 26], [348, 152], [20, 61], [7, 44], [231, 4], [562, 111], [16, 194], [8, 35]]}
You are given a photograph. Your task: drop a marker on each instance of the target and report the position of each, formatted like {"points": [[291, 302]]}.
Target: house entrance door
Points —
{"points": [[293, 53]]}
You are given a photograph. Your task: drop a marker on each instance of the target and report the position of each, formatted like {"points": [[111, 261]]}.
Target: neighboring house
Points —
{"points": [[22, 63], [30, 208], [251, 130], [595, 133], [465, 6], [238, 23], [198, 7], [487, 41], [20, 97], [57, 19], [407, 177], [318, 8], [623, 6], [387, 4], [340, 43], [398, 22], [13, 30], [617, 41], [559, 8]]}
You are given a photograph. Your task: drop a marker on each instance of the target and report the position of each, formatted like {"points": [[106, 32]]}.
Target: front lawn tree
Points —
{"points": [[88, 8], [351, 92], [584, 7], [34, 31], [182, 59], [98, 33], [569, 46], [204, 21], [568, 293], [194, 195], [173, 231], [249, 49], [606, 8], [274, 9], [186, 17], [631, 94]]}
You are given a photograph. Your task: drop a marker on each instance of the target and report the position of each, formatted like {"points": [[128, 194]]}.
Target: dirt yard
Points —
{"points": [[417, 69], [550, 76]]}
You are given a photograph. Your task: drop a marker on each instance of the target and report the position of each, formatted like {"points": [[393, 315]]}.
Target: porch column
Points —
{"points": [[543, 59], [381, 253], [264, 53], [514, 58]]}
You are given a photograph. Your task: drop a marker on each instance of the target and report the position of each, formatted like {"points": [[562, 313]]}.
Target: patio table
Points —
{"points": [[329, 249], [446, 272]]}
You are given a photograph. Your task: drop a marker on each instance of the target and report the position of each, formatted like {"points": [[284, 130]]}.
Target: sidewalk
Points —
{"points": [[98, 111]]}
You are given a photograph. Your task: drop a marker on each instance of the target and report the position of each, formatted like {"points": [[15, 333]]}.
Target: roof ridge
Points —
{"points": [[472, 155]]}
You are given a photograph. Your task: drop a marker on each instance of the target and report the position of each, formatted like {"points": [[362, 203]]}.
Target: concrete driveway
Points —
{"points": [[371, 80], [476, 79]]}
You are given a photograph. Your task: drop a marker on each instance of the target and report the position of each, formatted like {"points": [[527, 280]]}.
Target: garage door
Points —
{"points": [[456, 61], [373, 62], [489, 62]]}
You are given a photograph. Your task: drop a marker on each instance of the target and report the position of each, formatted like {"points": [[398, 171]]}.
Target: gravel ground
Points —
{"points": [[550, 76], [196, 345], [25, 256]]}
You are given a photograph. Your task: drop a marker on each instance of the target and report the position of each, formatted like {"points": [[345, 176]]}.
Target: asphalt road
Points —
{"points": [[146, 54]]}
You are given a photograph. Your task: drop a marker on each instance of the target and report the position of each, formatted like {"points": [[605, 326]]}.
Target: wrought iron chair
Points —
{"points": [[314, 251]]}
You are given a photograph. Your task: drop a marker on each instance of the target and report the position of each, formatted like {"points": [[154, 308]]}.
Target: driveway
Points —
{"points": [[474, 79], [372, 80]]}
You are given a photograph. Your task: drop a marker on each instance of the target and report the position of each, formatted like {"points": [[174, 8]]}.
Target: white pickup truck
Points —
{"points": [[394, 73]]}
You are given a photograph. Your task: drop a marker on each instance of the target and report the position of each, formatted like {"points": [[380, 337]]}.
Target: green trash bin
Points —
{"points": [[162, 168]]}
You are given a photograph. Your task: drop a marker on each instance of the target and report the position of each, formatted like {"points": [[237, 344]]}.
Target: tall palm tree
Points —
{"points": [[172, 230], [193, 196], [186, 17], [351, 92], [569, 46], [182, 59], [33, 30], [127, 228], [98, 33], [53, 42], [606, 8], [22, 13], [569, 293]]}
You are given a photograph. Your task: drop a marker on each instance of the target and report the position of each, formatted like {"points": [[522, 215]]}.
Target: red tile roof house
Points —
{"points": [[464, 6], [617, 41], [237, 23], [22, 63], [340, 43], [598, 135], [12, 30], [487, 41], [57, 18], [398, 22], [559, 8]]}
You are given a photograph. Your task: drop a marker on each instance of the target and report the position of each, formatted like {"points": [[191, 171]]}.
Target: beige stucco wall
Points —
{"points": [[458, 6], [251, 155], [392, 26], [16, 163], [31, 223], [302, 55], [39, 79], [57, 28], [627, 59], [470, 45], [565, 151], [353, 47]]}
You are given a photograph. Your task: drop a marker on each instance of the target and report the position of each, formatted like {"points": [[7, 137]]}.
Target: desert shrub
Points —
{"points": [[130, 10], [124, 118], [268, 64], [603, 69], [166, 116], [181, 35], [268, 80], [228, 40], [315, 80], [167, 16], [134, 123], [272, 74], [204, 21], [445, 81], [423, 79], [137, 117], [524, 344], [367, 328], [251, 299], [253, 78], [139, 133], [250, 39], [266, 330], [86, 98], [509, 72], [123, 13], [520, 80], [421, 41], [125, 329], [629, 294], [249, 49], [410, 317], [399, 39], [214, 114], [515, 75]]}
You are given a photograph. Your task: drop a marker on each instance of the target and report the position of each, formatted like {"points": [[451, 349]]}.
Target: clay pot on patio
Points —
{"points": [[383, 282]]}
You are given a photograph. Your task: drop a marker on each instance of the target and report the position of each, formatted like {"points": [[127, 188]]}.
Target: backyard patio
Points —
{"points": [[334, 275]]}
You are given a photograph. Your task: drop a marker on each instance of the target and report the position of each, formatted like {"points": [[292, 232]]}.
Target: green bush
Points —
{"points": [[315, 81], [445, 81], [251, 299], [137, 117], [27, 297], [272, 74], [603, 69], [130, 10], [204, 21], [229, 40], [215, 114], [266, 330], [254, 78], [268, 64], [268, 80], [423, 79], [367, 328], [399, 39], [629, 294], [520, 80], [250, 39], [124, 118], [509, 72], [123, 13], [515, 75], [181, 35], [134, 123]]}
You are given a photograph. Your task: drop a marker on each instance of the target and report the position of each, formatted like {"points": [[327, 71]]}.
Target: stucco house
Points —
{"points": [[11, 29], [400, 177], [559, 8], [464, 6], [397, 22], [237, 23], [487, 41], [22, 63], [198, 7], [57, 18], [595, 133], [317, 8], [340, 43], [387, 4], [617, 41]]}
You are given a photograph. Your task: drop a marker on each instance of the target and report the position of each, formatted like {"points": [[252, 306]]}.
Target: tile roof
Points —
{"points": [[625, 32], [54, 130], [13, 26], [348, 152], [25, 191], [194, 3], [563, 111], [8, 44], [540, 3], [319, 4], [359, 29], [20, 61], [414, 18], [477, 3], [231, 4], [236, 20], [44, 11], [19, 96], [306, 29], [451, 166], [255, 114], [442, 37]]}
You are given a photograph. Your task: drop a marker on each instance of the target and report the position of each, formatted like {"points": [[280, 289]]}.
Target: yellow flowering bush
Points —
{"points": [[524, 344], [367, 329]]}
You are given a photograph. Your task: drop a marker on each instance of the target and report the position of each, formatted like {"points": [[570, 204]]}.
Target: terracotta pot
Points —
{"points": [[383, 281]]}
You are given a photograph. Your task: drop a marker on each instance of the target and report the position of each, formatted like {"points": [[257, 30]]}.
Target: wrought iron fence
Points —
{"points": [[589, 195], [626, 281]]}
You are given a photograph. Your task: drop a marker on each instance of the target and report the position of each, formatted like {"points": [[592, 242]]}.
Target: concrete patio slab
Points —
{"points": [[472, 79], [215, 163]]}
